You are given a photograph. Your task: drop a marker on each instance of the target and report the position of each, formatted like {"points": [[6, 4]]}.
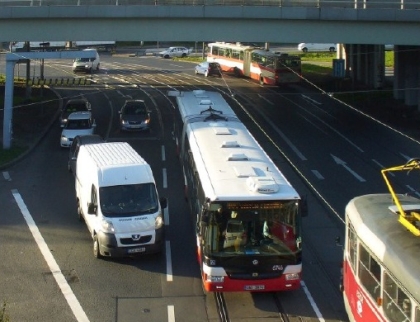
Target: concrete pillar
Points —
{"points": [[378, 66], [398, 73], [8, 105], [411, 62], [350, 61], [359, 56]]}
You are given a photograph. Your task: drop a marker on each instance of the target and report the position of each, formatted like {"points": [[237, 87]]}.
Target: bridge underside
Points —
{"points": [[365, 64]]}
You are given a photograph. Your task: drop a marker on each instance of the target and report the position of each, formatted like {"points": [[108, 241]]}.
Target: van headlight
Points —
{"points": [[158, 222], [107, 226], [64, 138]]}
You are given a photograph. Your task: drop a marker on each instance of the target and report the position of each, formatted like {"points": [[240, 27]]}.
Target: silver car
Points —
{"points": [[78, 123], [175, 52], [208, 68]]}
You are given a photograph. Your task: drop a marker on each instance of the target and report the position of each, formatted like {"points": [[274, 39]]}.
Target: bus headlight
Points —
{"points": [[215, 279], [292, 276]]}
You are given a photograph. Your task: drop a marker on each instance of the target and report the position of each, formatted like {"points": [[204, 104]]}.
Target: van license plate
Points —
{"points": [[137, 250]]}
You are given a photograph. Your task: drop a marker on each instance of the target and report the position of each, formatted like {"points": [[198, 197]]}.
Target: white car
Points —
{"points": [[175, 52], [306, 47], [78, 123]]}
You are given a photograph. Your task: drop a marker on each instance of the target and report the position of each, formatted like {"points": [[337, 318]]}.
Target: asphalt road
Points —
{"points": [[330, 152]]}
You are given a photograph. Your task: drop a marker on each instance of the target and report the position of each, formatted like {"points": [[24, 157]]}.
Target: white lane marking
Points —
{"points": [[169, 276], [412, 190], [171, 313], [6, 176], [71, 299], [341, 162], [317, 174], [405, 156], [165, 178], [382, 167], [312, 302], [163, 153], [265, 99], [166, 214], [311, 100]]}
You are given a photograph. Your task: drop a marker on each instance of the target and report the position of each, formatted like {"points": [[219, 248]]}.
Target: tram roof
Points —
{"points": [[378, 228], [231, 164]]}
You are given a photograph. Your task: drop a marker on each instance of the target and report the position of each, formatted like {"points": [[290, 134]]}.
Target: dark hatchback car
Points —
{"points": [[75, 147], [73, 105], [208, 69], [134, 116]]}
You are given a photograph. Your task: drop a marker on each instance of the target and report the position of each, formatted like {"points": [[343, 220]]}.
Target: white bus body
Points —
{"points": [[229, 176]]}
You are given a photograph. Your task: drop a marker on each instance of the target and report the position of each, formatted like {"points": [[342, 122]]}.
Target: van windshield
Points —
{"points": [[84, 59], [128, 200]]}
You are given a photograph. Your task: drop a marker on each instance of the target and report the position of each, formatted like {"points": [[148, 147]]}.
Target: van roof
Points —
{"points": [[117, 163], [114, 153]]}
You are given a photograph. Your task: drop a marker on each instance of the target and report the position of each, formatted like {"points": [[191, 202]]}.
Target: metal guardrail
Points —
{"points": [[355, 4]]}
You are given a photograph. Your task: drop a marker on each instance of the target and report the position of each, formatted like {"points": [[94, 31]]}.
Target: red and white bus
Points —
{"points": [[381, 279], [247, 215], [267, 67]]}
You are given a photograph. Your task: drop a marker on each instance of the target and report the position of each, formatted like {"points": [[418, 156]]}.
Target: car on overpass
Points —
{"points": [[175, 52], [316, 47]]}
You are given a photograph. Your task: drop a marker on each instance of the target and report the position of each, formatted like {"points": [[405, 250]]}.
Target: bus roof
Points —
{"points": [[230, 162], [376, 224], [231, 45]]}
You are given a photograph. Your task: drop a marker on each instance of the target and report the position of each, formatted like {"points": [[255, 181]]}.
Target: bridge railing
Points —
{"points": [[355, 4]]}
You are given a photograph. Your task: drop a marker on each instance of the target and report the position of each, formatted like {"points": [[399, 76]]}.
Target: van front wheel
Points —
{"points": [[96, 251]]}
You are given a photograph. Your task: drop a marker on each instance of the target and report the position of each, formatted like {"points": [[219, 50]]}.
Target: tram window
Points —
{"points": [[241, 55], [369, 273], [395, 301], [417, 317], [352, 246]]}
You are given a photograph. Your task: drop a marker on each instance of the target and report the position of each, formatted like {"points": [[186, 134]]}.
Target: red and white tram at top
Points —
{"points": [[381, 268]]}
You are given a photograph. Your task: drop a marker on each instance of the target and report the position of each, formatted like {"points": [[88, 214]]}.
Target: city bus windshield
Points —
{"points": [[252, 228]]}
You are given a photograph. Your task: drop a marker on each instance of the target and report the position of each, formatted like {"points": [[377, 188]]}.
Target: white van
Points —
{"points": [[117, 198], [307, 47], [87, 65]]}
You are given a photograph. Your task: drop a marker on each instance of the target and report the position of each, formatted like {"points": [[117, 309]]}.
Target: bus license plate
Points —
{"points": [[254, 287], [137, 250]]}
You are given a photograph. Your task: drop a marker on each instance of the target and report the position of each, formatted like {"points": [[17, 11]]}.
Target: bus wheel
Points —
{"points": [[236, 72], [261, 80]]}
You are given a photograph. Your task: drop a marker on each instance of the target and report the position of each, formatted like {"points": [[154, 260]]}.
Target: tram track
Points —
{"points": [[153, 87], [221, 307], [280, 315]]}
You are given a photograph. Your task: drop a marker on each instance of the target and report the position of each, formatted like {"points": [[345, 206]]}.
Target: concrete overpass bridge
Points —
{"points": [[364, 26]]}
